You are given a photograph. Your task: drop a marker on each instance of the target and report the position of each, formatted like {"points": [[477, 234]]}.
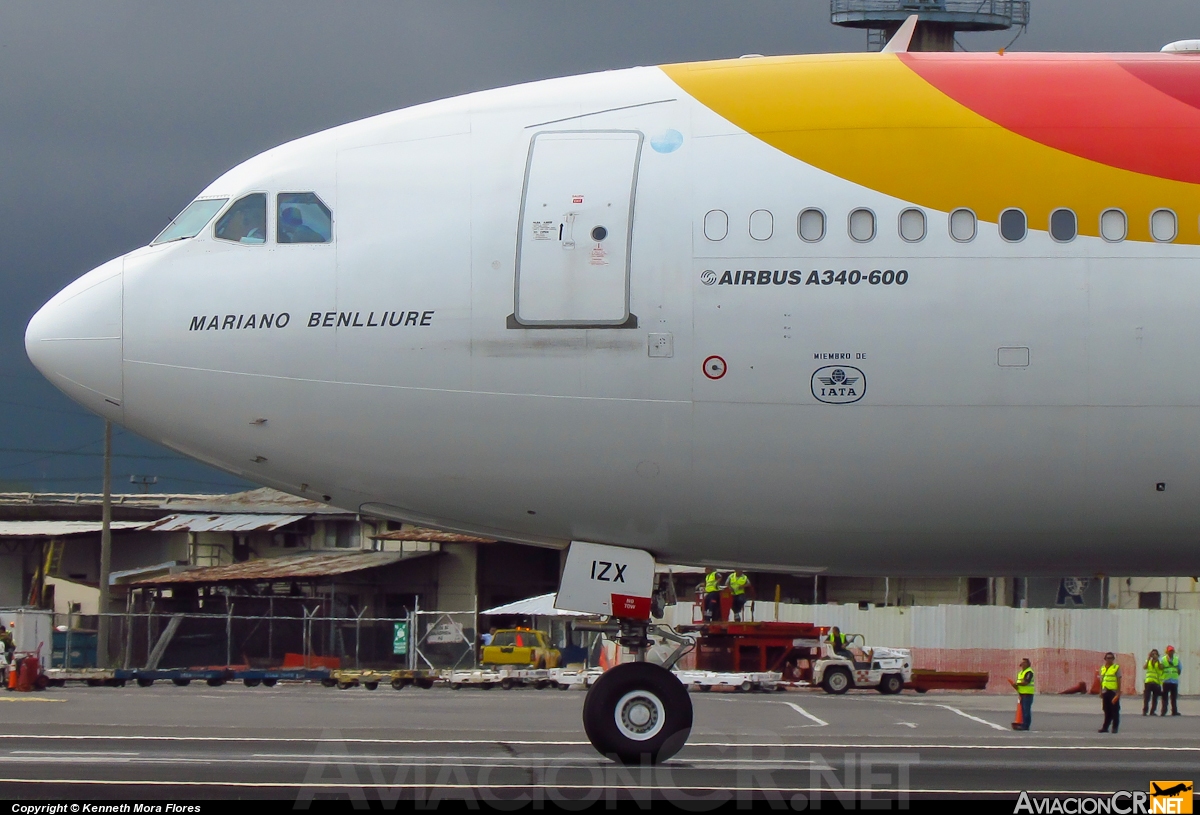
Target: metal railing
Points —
{"points": [[1015, 12]]}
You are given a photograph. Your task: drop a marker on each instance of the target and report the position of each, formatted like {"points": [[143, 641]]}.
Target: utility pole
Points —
{"points": [[103, 628]]}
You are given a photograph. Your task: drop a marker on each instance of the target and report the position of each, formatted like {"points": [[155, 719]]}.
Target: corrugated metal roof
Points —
{"points": [[325, 564], [420, 533], [54, 529], [262, 500], [540, 606], [221, 522]]}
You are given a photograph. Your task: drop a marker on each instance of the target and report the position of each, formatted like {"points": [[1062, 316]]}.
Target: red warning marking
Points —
{"points": [[576, 199], [714, 367], [638, 608]]}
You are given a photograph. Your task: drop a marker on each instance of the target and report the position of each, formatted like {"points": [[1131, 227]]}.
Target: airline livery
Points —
{"points": [[875, 314]]}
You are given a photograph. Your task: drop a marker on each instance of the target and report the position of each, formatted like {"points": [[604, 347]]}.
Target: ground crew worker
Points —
{"points": [[837, 641], [712, 595], [1110, 692], [738, 583], [6, 643], [1170, 681], [1152, 688], [1026, 689]]}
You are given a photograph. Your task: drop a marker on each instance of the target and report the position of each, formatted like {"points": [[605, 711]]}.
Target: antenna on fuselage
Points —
{"points": [[900, 40]]}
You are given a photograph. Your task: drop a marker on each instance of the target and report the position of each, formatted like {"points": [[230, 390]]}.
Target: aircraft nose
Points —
{"points": [[75, 340]]}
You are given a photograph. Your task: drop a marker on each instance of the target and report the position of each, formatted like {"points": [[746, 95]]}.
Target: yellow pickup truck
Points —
{"points": [[519, 646]]}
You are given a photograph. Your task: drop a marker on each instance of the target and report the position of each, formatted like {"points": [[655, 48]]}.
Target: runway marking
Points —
{"points": [[28, 699], [992, 725], [908, 724], [961, 713], [70, 753], [518, 761], [806, 714], [823, 791], [555, 763], [1022, 745]]}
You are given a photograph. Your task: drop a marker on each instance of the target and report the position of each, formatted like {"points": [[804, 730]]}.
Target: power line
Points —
{"points": [[96, 455]]}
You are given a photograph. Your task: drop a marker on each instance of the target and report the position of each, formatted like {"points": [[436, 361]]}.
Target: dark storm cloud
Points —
{"points": [[114, 114]]}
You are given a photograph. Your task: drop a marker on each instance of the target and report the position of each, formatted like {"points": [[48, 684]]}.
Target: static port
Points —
{"points": [[599, 233]]}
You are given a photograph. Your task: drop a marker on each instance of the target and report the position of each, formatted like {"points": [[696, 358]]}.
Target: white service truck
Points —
{"points": [[887, 670]]}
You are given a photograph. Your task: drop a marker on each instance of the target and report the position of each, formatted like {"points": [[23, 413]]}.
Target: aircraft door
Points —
{"points": [[573, 250]]}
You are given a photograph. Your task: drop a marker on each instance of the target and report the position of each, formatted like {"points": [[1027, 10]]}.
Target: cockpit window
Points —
{"points": [[191, 221], [245, 221], [303, 218]]}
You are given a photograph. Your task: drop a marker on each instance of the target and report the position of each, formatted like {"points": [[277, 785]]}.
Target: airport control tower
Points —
{"points": [[940, 20]]}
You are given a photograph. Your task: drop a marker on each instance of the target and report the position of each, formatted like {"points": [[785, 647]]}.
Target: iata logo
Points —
{"points": [[708, 277], [839, 384]]}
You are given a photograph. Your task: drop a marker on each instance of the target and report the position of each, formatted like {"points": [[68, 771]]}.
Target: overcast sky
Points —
{"points": [[114, 114]]}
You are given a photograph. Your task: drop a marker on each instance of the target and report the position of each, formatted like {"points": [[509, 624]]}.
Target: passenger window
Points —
{"points": [[1063, 226], [862, 225], [1013, 225], [810, 225], [962, 225], [1114, 226], [912, 225], [716, 225], [245, 221], [188, 223], [762, 224], [303, 218], [1163, 225]]}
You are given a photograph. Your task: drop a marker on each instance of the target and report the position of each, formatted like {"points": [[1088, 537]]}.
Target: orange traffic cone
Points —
{"points": [[1019, 720]]}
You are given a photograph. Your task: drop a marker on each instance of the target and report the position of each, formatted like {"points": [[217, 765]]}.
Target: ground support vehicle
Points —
{"points": [[519, 646], [371, 679], [213, 677], [886, 670], [508, 678], [924, 681], [743, 682], [800, 653]]}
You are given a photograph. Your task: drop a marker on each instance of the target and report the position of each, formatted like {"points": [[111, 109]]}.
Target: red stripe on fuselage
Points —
{"points": [[1139, 113]]}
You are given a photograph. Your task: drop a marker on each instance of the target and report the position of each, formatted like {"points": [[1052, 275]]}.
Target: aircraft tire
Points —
{"points": [[637, 713]]}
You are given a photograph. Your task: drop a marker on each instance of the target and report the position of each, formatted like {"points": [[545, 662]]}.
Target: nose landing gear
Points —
{"points": [[638, 712]]}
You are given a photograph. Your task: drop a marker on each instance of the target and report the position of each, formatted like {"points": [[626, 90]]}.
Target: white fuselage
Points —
{"points": [[420, 374]]}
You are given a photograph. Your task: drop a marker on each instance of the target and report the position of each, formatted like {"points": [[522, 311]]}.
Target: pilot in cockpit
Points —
{"points": [[292, 228], [245, 222]]}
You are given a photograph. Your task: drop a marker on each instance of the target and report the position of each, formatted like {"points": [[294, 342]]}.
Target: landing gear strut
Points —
{"points": [[638, 712]]}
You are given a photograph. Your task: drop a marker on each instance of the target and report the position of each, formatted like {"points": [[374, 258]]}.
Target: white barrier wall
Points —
{"points": [[1065, 641]]}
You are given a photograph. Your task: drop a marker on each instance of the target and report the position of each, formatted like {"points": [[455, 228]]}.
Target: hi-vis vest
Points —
{"points": [[1170, 669], [1154, 672], [1108, 677], [710, 582], [838, 640], [1021, 680], [738, 584]]}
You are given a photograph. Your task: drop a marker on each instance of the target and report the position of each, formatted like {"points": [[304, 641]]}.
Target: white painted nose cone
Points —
{"points": [[75, 340]]}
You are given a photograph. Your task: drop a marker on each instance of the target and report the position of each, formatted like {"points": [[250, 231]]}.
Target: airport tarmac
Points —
{"points": [[304, 741]]}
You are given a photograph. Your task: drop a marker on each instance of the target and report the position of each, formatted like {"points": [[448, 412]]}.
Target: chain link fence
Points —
{"points": [[418, 640]]}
